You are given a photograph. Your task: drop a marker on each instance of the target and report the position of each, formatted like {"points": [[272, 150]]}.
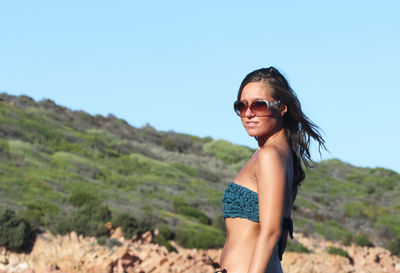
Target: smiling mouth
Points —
{"points": [[251, 123]]}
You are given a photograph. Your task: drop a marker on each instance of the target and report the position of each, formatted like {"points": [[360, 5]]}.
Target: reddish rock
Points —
{"points": [[117, 234], [108, 226], [74, 237], [3, 259], [147, 237], [29, 270], [13, 259], [73, 253]]}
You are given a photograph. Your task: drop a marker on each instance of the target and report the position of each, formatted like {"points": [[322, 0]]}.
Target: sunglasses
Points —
{"points": [[258, 108]]}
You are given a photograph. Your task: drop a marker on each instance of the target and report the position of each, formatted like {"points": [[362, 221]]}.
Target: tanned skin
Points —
{"points": [[250, 246]]}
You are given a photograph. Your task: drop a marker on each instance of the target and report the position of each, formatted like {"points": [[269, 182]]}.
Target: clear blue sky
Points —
{"points": [[177, 65]]}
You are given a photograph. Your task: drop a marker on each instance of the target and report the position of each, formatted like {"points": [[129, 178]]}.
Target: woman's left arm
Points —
{"points": [[271, 174]]}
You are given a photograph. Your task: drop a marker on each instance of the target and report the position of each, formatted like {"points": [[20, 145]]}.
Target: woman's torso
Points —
{"points": [[242, 234]]}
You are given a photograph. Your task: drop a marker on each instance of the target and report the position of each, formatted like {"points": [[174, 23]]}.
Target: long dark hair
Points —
{"points": [[299, 128]]}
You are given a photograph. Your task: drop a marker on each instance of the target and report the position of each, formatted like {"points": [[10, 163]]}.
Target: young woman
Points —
{"points": [[258, 203]]}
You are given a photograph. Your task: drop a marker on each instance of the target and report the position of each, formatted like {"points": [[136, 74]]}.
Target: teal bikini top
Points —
{"points": [[241, 202]]}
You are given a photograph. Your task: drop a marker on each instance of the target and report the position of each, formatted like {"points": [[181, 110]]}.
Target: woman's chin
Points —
{"points": [[252, 133]]}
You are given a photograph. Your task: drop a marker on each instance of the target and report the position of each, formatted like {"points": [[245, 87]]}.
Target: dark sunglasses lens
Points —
{"points": [[259, 108], [239, 107]]}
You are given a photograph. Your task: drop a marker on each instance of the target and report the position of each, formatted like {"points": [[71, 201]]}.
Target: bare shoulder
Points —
{"points": [[272, 163], [271, 154]]}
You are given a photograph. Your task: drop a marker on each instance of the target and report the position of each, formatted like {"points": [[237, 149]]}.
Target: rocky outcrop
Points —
{"points": [[72, 253], [359, 260]]}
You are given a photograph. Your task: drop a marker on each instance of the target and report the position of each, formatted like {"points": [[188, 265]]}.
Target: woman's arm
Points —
{"points": [[271, 174]]}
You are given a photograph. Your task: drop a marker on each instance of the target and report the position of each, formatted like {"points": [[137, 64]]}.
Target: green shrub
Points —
{"points": [[219, 223], [182, 207], [4, 148], [330, 230], [127, 223], [390, 221], [294, 246], [387, 183], [88, 220], [227, 152], [38, 211], [139, 164], [348, 239], [15, 232], [109, 242], [102, 240], [176, 142], [394, 246], [34, 217], [146, 221], [78, 198], [43, 206], [208, 175], [165, 231], [371, 189], [337, 251], [161, 240], [304, 203], [199, 236], [185, 169], [362, 240]]}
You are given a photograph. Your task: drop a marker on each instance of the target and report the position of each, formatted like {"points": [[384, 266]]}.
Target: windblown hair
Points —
{"points": [[298, 127]]}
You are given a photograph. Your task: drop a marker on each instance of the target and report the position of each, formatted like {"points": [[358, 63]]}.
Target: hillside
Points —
{"points": [[59, 166]]}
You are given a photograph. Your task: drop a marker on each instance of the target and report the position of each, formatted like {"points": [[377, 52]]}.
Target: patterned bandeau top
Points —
{"points": [[241, 202]]}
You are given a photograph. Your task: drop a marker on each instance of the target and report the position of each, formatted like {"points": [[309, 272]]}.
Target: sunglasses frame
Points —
{"points": [[269, 105]]}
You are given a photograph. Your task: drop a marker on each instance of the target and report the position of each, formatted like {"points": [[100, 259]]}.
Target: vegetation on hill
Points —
{"points": [[67, 170]]}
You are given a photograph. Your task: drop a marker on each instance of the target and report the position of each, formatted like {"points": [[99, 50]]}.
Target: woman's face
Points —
{"points": [[267, 124]]}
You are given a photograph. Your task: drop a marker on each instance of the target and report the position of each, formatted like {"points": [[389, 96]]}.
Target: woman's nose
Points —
{"points": [[248, 113]]}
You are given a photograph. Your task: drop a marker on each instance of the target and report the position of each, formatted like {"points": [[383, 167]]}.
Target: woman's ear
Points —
{"points": [[283, 110]]}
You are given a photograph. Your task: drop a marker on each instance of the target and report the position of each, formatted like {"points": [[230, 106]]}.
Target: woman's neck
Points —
{"points": [[271, 138]]}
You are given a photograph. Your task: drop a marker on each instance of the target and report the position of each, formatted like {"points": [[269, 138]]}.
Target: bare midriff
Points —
{"points": [[241, 238]]}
